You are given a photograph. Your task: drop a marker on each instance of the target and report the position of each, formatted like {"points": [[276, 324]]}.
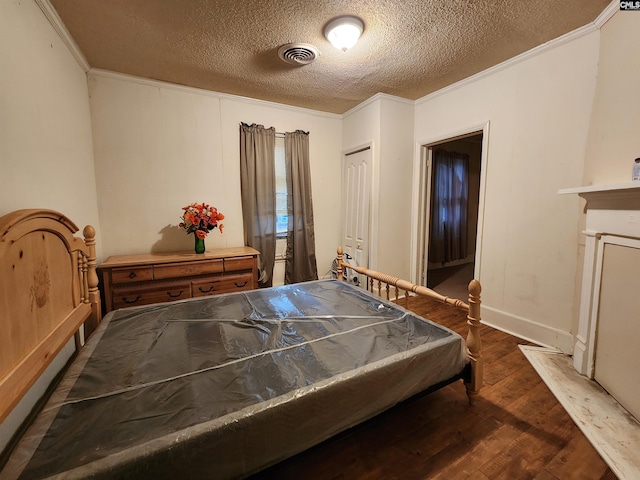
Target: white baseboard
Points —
{"points": [[528, 330]]}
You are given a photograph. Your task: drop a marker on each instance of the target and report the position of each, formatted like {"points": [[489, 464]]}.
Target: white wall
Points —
{"points": [[613, 141], [394, 195], [614, 138], [159, 147], [538, 111], [361, 126], [386, 123], [46, 153]]}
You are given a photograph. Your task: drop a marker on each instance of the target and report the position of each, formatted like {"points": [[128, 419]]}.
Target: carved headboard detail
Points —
{"points": [[48, 289]]}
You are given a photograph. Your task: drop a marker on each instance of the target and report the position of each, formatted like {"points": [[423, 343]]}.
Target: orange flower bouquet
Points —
{"points": [[200, 219]]}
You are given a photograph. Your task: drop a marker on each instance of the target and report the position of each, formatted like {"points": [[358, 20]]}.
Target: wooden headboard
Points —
{"points": [[48, 289]]}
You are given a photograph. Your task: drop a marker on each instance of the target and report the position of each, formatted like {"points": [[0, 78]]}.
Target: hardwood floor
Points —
{"points": [[516, 430], [451, 281]]}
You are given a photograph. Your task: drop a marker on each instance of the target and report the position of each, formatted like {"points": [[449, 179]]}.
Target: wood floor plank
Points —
{"points": [[517, 430], [545, 475], [534, 448], [510, 362], [477, 476], [577, 460], [479, 451]]}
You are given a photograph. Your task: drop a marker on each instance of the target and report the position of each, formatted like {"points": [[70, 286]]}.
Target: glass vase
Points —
{"points": [[199, 244]]}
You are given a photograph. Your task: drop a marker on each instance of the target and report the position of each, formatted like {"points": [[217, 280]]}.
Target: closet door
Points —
{"points": [[356, 197]]}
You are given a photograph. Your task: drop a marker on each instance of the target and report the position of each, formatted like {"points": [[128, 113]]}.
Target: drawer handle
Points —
{"points": [[211, 289], [132, 275], [240, 286], [176, 295], [124, 299]]}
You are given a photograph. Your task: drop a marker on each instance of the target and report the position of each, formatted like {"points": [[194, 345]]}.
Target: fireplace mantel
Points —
{"points": [[617, 190], [612, 221], [612, 216]]}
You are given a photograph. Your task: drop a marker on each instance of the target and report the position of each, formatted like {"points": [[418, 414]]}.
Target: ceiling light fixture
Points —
{"points": [[344, 32]]}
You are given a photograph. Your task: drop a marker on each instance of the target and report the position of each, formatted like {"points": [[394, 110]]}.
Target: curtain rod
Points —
{"points": [[282, 135], [278, 134]]}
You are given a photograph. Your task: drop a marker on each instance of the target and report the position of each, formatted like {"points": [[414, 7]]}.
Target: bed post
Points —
{"points": [[474, 343], [339, 268], [92, 280]]}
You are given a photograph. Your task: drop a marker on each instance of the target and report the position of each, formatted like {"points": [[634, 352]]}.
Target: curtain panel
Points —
{"points": [[258, 191], [448, 232], [300, 265]]}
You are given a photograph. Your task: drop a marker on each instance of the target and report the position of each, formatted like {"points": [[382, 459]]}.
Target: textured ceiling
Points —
{"points": [[409, 48]]}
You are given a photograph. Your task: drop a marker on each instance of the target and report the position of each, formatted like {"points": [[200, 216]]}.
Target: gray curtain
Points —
{"points": [[258, 190], [448, 232], [300, 265]]}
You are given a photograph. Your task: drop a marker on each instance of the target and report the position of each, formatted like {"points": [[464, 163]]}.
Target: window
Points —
{"points": [[260, 221], [282, 212], [450, 200]]}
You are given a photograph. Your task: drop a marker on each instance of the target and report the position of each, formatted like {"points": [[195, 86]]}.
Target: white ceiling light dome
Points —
{"points": [[344, 32]]}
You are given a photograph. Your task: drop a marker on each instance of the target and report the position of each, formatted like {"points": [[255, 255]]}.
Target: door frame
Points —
{"points": [[422, 194]]}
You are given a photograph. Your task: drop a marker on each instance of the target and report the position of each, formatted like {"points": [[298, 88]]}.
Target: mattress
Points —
{"points": [[223, 386]]}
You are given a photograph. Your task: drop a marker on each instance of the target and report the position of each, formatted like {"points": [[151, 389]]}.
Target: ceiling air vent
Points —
{"points": [[298, 53]]}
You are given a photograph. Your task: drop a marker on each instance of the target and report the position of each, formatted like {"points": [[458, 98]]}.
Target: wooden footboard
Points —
{"points": [[383, 284]]}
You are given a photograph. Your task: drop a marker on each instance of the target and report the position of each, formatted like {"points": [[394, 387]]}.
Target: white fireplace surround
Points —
{"points": [[612, 220], [612, 217]]}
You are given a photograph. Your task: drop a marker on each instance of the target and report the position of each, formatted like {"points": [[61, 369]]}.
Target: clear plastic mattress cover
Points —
{"points": [[222, 386]]}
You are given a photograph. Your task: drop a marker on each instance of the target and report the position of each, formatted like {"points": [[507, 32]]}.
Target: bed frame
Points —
{"points": [[375, 280], [48, 290]]}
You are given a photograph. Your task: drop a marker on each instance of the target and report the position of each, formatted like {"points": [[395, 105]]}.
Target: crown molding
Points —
{"points": [[551, 44], [96, 72], [57, 24], [607, 13], [375, 98]]}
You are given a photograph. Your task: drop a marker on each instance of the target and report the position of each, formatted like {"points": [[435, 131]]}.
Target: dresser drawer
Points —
{"points": [[132, 274], [226, 284], [129, 297], [238, 264], [187, 269], [145, 278]]}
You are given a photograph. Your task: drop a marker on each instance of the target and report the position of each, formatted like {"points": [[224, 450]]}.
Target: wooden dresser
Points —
{"points": [[129, 280]]}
